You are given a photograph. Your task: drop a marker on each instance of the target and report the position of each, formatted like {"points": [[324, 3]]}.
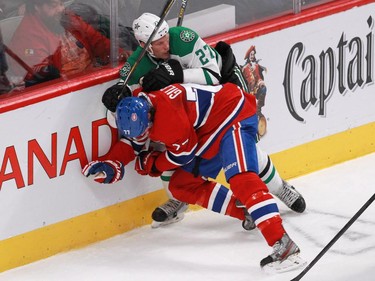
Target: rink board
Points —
{"points": [[49, 207]]}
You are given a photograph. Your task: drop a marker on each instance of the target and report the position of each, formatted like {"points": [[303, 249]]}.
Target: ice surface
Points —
{"points": [[207, 246]]}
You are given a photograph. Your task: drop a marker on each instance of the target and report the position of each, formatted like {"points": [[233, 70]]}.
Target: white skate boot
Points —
{"points": [[292, 198]]}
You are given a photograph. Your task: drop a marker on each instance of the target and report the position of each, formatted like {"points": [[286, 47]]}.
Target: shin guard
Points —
{"points": [[261, 205], [207, 194]]}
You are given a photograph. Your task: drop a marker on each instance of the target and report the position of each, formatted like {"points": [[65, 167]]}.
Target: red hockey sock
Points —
{"points": [[208, 194], [272, 229], [234, 211], [261, 205]]}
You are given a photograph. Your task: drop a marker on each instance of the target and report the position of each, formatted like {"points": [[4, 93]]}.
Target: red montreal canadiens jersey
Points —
{"points": [[190, 119]]}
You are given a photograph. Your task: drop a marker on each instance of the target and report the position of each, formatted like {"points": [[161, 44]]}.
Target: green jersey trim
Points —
{"points": [[144, 66]]}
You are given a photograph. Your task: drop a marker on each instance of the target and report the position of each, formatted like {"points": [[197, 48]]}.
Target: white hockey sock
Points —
{"points": [[268, 172]]}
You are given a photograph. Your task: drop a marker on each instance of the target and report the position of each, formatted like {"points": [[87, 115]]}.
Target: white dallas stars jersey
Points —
{"points": [[201, 63]]}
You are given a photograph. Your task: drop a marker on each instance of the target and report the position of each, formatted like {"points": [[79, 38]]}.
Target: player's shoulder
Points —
{"points": [[183, 34], [143, 67], [169, 94], [182, 39]]}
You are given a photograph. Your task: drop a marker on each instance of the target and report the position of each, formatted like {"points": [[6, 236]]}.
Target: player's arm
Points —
{"points": [[145, 65], [111, 169], [192, 61], [172, 127], [113, 94], [177, 154]]}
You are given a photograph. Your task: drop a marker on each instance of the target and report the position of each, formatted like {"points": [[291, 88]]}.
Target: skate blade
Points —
{"points": [[156, 224], [290, 263]]}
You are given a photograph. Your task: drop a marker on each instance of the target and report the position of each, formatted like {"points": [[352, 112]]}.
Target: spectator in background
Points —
{"points": [[5, 85], [12, 8], [98, 17], [53, 46], [4, 82], [128, 10]]}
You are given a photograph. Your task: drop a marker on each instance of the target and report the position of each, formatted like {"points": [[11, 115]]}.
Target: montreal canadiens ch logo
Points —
{"points": [[134, 117]]}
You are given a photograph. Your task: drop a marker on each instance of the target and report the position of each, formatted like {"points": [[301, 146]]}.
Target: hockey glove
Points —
{"points": [[167, 73], [228, 63], [106, 171], [114, 94], [145, 163]]}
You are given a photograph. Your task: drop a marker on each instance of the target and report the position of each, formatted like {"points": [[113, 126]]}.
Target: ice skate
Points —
{"points": [[248, 223], [292, 198], [285, 257], [170, 212]]}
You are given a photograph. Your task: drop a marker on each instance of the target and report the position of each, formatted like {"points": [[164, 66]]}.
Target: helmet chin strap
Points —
{"points": [[149, 50]]}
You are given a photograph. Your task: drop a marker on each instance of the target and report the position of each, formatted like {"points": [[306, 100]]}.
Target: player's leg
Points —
{"points": [[264, 212], [172, 210], [239, 155], [276, 185], [267, 171], [205, 193]]}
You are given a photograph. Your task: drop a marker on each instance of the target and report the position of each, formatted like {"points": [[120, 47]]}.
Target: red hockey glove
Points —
{"points": [[106, 171], [145, 163], [167, 73]]}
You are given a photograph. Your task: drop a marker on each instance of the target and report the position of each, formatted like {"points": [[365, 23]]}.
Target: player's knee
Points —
{"points": [[248, 187], [180, 184], [175, 187]]}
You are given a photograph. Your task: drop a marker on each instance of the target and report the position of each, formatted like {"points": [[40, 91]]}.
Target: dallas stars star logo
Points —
{"points": [[187, 35], [124, 71]]}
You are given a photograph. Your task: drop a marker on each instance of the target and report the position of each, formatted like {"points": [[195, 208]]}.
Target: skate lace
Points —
{"points": [[171, 206], [288, 194], [277, 250]]}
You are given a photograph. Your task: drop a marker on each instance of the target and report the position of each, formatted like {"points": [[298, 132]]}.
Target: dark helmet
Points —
{"points": [[132, 116]]}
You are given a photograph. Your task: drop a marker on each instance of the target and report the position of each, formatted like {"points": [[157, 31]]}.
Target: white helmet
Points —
{"points": [[144, 26]]}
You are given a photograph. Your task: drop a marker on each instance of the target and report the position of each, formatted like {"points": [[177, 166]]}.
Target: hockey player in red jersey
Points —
{"points": [[213, 128], [195, 62]]}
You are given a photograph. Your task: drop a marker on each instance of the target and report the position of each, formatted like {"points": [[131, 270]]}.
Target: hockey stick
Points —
{"points": [[338, 235], [182, 12], [164, 14]]}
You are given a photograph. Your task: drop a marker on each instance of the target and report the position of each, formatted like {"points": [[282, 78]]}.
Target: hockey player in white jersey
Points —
{"points": [[197, 63]]}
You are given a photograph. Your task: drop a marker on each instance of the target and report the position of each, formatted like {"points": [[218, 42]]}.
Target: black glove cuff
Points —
{"points": [[167, 73], [176, 67]]}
